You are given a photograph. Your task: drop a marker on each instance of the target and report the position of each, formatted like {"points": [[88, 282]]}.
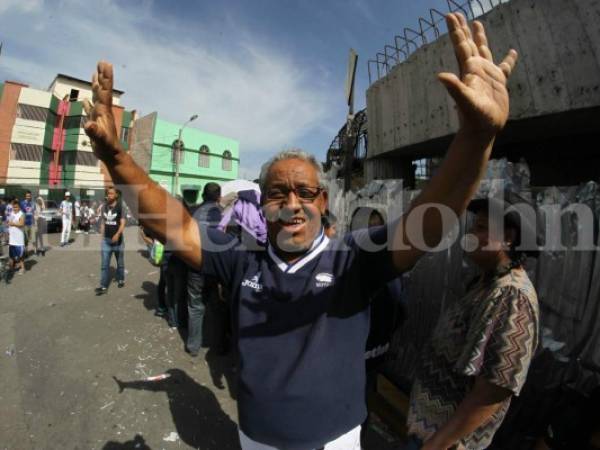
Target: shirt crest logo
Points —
{"points": [[324, 279]]}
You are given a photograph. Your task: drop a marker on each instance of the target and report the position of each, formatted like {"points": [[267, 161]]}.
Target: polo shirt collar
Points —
{"points": [[317, 247]]}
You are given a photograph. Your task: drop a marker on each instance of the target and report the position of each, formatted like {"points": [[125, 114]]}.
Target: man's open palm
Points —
{"points": [[480, 92], [100, 126]]}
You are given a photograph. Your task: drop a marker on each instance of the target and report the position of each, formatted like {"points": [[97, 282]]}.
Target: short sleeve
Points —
{"points": [[220, 252], [502, 340], [373, 255]]}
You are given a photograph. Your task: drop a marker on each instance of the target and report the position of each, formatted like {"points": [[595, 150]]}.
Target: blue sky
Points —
{"points": [[269, 74]]}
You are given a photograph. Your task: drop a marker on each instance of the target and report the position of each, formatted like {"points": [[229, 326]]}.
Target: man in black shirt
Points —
{"points": [[203, 291], [112, 225]]}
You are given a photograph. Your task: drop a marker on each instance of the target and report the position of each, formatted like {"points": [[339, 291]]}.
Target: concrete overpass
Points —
{"points": [[555, 95]]}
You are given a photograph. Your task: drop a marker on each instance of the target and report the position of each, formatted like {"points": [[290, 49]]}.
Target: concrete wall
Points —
{"points": [[559, 70], [35, 97], [142, 140], [8, 114]]}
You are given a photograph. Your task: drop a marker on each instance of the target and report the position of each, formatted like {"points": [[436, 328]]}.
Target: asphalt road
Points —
{"points": [[72, 364]]}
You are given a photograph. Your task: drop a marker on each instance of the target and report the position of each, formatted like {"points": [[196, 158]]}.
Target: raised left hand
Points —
{"points": [[480, 91], [100, 126]]}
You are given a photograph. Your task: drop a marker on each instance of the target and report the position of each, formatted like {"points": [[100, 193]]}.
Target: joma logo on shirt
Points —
{"points": [[253, 283], [324, 279]]}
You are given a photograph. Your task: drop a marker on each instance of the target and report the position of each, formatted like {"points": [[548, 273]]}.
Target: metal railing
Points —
{"points": [[430, 29]]}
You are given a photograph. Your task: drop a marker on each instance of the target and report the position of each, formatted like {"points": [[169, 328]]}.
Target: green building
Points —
{"points": [[205, 157]]}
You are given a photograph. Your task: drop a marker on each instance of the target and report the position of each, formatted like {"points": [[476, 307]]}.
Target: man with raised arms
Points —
{"points": [[299, 308]]}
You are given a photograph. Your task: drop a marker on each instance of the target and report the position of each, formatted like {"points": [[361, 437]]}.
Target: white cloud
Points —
{"points": [[20, 5], [240, 86]]}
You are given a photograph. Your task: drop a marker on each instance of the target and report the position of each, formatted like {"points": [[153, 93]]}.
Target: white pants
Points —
{"points": [[66, 230], [349, 441]]}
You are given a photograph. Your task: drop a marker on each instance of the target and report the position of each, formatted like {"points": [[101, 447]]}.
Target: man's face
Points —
{"points": [[293, 222], [28, 196], [111, 195]]}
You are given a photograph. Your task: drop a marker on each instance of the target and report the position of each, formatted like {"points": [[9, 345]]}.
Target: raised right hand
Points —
{"points": [[100, 126]]}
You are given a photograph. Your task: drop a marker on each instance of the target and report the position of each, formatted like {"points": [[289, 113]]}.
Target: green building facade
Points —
{"points": [[205, 157]]}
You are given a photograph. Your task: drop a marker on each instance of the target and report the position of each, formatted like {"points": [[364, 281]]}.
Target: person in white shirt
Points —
{"points": [[77, 224], [86, 217], [16, 238], [66, 209]]}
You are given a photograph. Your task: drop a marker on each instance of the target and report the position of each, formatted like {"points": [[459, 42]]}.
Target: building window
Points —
{"points": [[226, 160], [124, 135], [86, 159], [204, 157], [31, 112], [74, 95], [26, 152], [78, 158], [422, 169], [178, 146]]}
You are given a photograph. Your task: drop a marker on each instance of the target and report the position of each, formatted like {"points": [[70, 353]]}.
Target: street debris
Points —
{"points": [[85, 288], [107, 405], [172, 437], [10, 351], [162, 376]]}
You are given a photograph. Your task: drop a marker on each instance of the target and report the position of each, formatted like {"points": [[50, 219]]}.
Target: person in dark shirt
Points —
{"points": [[3, 226], [300, 307], [176, 271], [112, 226], [202, 292], [387, 304], [28, 208]]}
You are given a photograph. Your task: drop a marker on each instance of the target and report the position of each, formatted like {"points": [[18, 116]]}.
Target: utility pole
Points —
{"points": [[349, 138], [180, 148]]}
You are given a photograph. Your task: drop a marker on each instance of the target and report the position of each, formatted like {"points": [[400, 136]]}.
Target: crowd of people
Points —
{"points": [[23, 225], [22, 228], [187, 299]]}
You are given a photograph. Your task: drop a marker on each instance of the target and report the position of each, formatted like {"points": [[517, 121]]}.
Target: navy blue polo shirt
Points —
{"points": [[301, 331]]}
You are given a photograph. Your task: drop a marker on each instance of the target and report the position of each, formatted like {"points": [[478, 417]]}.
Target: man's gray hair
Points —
{"points": [[289, 154]]}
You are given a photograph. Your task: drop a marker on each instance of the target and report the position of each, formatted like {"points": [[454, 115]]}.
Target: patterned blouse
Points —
{"points": [[491, 332]]}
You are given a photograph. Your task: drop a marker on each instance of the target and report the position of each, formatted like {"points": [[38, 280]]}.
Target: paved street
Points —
{"points": [[72, 364]]}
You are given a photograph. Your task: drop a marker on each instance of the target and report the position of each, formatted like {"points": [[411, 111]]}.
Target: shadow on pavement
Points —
{"points": [[222, 367], [149, 295], [29, 263], [199, 420], [137, 443]]}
